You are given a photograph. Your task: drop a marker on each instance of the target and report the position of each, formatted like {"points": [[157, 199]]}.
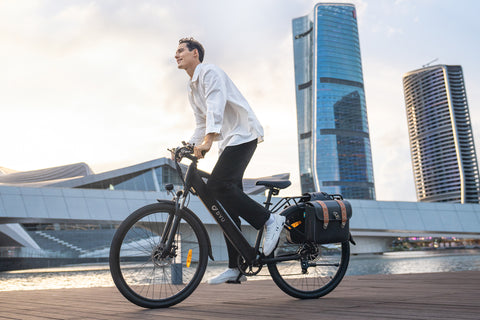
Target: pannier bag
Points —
{"points": [[295, 221], [327, 221]]}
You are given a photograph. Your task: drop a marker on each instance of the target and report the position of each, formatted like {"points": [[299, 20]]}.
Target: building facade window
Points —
{"points": [[336, 156], [146, 180], [442, 148]]}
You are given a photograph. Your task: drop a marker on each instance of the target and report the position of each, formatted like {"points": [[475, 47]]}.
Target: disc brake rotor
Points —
{"points": [[161, 258]]}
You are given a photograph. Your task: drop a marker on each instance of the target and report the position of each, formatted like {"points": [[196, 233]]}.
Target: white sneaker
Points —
{"points": [[272, 233], [227, 275]]}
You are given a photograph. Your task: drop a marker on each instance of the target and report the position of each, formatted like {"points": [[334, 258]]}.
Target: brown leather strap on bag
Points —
{"points": [[344, 212], [325, 214]]}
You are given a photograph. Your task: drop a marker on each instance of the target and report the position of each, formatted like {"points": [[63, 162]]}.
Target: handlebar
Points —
{"points": [[187, 151], [182, 152]]}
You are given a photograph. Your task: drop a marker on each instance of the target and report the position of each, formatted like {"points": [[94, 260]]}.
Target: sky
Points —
{"points": [[97, 82]]}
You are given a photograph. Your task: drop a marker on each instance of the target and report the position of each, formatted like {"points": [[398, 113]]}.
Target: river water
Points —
{"points": [[389, 263]]}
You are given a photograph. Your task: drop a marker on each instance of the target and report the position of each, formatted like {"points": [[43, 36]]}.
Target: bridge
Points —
{"points": [[373, 225]]}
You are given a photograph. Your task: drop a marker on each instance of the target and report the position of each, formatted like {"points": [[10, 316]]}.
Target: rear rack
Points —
{"points": [[287, 202]]}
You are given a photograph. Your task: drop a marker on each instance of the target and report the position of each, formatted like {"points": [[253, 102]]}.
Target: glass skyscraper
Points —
{"points": [[333, 136], [441, 139]]}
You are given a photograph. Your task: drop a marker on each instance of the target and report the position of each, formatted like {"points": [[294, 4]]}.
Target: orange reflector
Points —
{"points": [[296, 224], [189, 258]]}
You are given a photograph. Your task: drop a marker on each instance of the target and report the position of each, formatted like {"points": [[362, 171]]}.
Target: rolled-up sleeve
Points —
{"points": [[216, 99], [199, 133]]}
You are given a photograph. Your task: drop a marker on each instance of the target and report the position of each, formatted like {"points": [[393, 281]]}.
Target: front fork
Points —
{"points": [[173, 222]]}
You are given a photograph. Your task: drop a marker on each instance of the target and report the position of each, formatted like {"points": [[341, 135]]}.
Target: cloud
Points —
{"points": [[103, 77], [96, 81], [81, 75]]}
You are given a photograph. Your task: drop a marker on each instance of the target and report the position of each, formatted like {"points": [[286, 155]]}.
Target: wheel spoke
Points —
{"points": [[317, 272], [147, 273]]}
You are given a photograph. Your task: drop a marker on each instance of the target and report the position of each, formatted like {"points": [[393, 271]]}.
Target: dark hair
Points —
{"points": [[193, 44]]}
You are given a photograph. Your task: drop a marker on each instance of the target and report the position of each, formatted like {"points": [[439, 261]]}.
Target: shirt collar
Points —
{"points": [[196, 72]]}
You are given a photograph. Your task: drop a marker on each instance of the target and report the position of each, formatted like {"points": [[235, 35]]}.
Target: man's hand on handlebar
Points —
{"points": [[188, 149], [202, 149]]}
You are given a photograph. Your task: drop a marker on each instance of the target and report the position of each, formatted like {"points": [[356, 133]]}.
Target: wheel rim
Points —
{"points": [[149, 272], [320, 268], [315, 271]]}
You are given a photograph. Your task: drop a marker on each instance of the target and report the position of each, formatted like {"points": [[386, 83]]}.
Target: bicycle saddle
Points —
{"points": [[279, 184]]}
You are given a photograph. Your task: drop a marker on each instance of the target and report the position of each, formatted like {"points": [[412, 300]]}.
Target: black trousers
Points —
{"points": [[225, 184]]}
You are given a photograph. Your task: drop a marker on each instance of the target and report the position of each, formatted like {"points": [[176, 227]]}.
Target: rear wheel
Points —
{"points": [[317, 272], [144, 270]]}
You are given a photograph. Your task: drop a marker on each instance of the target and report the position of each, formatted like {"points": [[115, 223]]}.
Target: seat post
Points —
{"points": [[271, 191]]}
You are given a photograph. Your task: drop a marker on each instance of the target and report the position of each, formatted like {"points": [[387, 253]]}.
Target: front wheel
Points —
{"points": [[144, 270], [316, 273]]}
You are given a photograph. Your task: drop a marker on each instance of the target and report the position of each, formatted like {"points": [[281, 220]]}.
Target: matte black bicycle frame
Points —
{"points": [[193, 180]]}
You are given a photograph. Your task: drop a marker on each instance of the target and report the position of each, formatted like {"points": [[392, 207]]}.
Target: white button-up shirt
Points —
{"points": [[220, 108]]}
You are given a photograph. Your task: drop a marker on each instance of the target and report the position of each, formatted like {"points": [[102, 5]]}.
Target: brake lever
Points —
{"points": [[177, 153], [189, 146]]}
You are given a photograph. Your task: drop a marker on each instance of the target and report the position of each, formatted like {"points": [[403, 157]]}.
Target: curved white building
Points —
{"points": [[441, 140], [52, 222], [68, 214]]}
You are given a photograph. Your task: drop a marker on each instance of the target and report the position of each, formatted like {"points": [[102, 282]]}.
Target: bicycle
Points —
{"points": [[160, 252]]}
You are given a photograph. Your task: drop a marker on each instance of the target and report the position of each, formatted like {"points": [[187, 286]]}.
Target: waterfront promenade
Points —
{"points": [[448, 295]]}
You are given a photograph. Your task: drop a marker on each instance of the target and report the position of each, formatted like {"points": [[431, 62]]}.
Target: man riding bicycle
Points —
{"points": [[222, 114]]}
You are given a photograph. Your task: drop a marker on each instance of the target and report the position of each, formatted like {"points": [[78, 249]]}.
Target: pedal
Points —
{"points": [[233, 282], [237, 281]]}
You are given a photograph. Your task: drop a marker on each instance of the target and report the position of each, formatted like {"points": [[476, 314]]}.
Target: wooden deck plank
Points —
{"points": [[452, 295]]}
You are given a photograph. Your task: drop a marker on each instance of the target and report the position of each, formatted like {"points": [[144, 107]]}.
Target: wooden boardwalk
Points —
{"points": [[452, 295]]}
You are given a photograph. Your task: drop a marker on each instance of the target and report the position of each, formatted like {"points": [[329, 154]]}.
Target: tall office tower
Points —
{"points": [[333, 137], [441, 140]]}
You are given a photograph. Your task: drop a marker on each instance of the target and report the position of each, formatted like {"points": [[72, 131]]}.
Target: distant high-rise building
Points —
{"points": [[441, 139], [333, 136]]}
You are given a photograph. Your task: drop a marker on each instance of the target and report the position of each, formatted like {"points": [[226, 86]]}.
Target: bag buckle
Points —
{"points": [[344, 212], [326, 218]]}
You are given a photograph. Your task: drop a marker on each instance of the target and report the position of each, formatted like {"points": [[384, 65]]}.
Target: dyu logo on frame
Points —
{"points": [[217, 213]]}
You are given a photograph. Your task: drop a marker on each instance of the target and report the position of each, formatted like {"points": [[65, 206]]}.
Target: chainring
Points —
{"points": [[248, 269]]}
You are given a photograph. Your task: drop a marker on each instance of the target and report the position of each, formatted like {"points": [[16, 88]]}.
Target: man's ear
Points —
{"points": [[195, 53]]}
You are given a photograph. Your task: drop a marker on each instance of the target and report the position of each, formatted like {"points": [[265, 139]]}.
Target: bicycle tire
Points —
{"points": [[138, 273], [328, 268]]}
